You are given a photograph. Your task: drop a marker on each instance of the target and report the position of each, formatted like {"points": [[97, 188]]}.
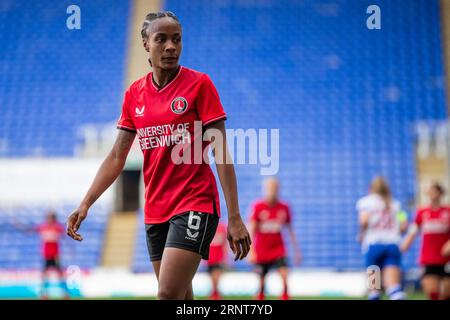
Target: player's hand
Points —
{"points": [[74, 222], [238, 238], [445, 251]]}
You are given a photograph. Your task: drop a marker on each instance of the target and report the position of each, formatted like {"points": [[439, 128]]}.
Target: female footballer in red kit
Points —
{"points": [[181, 199], [433, 222]]}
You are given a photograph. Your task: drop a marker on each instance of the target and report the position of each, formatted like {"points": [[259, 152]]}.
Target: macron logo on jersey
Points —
{"points": [[140, 113]]}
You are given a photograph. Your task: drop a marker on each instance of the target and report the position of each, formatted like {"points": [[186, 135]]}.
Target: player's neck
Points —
{"points": [[161, 77], [435, 204], [271, 202]]}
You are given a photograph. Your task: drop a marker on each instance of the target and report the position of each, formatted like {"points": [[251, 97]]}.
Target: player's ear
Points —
{"points": [[145, 43]]}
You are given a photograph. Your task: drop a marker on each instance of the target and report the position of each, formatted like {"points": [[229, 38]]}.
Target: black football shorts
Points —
{"points": [[437, 270], [191, 231], [264, 268]]}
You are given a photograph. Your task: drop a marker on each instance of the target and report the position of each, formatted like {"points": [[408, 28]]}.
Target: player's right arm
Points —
{"points": [[106, 175], [22, 227], [413, 231], [409, 239], [252, 227]]}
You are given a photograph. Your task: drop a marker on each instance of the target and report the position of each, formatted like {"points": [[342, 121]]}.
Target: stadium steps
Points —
{"points": [[431, 169], [119, 244], [137, 65]]}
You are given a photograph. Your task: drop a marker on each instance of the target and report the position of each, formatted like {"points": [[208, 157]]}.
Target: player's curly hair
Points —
{"points": [[152, 16]]}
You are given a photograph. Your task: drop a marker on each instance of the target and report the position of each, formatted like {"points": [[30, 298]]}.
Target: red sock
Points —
{"points": [[433, 296]]}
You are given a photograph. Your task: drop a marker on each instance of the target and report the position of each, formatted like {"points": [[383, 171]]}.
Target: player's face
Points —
{"points": [[434, 194], [51, 218], [271, 189], [164, 43]]}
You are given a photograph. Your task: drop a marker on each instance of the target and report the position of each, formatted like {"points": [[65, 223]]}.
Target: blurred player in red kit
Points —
{"points": [[434, 223], [268, 218], [217, 259], [50, 233]]}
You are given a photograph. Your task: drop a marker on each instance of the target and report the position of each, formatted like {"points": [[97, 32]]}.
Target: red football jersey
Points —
{"points": [[270, 220], [50, 234], [177, 178], [435, 227], [217, 249]]}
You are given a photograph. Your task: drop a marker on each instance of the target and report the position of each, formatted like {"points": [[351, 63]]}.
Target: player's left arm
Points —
{"points": [[237, 234], [402, 218], [24, 227], [295, 245], [363, 224]]}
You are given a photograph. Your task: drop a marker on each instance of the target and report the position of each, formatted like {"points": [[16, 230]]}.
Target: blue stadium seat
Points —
{"points": [[61, 82], [345, 99]]}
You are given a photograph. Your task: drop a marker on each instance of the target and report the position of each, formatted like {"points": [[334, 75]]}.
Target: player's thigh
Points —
{"points": [[189, 293], [215, 271], [178, 267], [156, 237], [262, 269], [430, 283], [192, 231], [57, 266], [156, 266], [282, 268], [446, 287]]}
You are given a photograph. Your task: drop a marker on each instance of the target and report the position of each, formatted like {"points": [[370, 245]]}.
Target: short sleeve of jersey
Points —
{"points": [[288, 215], [125, 121], [418, 219], [362, 205], [209, 107]]}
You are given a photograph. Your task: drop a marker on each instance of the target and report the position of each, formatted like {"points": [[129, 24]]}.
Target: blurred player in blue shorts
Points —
{"points": [[381, 223]]}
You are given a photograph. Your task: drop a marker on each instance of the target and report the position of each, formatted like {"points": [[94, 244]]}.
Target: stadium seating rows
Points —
{"points": [[55, 80], [345, 98], [20, 247]]}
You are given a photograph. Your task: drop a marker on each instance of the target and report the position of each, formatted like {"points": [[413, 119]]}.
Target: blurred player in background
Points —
{"points": [[217, 259], [382, 223], [433, 222], [50, 233], [268, 218]]}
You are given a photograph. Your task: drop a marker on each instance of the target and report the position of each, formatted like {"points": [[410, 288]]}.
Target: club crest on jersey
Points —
{"points": [[140, 112], [179, 105]]}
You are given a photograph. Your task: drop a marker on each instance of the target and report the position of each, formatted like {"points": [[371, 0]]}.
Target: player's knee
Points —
{"points": [[170, 293], [283, 272]]}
